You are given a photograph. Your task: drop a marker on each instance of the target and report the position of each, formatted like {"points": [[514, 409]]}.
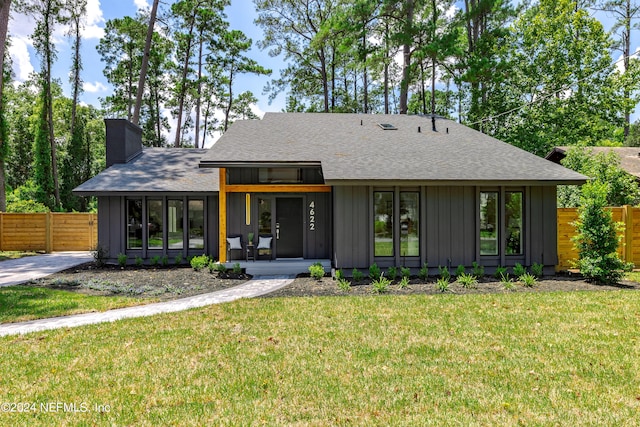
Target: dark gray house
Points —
{"points": [[350, 188]]}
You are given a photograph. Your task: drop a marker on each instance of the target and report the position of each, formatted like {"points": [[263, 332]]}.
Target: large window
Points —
{"points": [[383, 225], [196, 224], [134, 223], [409, 223], [513, 222], [154, 224], [264, 216], [280, 175], [175, 217], [489, 223]]}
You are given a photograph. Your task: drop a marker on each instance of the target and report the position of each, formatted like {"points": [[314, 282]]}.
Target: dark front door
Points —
{"points": [[289, 227]]}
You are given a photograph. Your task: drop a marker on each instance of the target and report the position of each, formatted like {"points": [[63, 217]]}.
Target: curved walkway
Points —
{"points": [[16, 271], [253, 288]]}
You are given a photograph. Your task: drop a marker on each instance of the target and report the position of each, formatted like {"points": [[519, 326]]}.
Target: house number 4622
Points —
{"points": [[312, 216]]}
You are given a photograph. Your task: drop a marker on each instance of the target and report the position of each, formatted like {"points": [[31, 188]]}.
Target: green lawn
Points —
{"points": [[504, 359], [21, 303], [5, 255]]}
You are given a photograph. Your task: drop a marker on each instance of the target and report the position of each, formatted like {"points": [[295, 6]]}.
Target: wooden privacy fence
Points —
{"points": [[48, 232], [629, 248]]}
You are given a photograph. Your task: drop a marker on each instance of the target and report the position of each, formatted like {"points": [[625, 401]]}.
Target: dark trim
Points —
{"points": [[450, 183], [259, 164]]}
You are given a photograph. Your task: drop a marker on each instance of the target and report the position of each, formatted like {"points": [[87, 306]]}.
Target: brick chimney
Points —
{"points": [[124, 140]]}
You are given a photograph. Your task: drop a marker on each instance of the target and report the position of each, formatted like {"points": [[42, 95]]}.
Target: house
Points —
{"points": [[354, 189], [629, 157]]}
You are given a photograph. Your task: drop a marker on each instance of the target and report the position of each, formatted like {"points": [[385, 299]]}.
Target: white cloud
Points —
{"points": [[94, 87], [93, 21], [19, 52], [142, 4]]}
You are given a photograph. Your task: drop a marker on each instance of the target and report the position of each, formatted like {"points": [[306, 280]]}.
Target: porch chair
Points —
{"points": [[265, 244], [235, 243]]}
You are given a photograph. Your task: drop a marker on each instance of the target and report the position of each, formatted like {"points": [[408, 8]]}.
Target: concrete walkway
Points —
{"points": [[16, 271], [253, 288]]}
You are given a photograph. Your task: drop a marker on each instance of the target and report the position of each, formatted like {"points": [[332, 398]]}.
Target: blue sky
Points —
{"points": [[240, 15]]}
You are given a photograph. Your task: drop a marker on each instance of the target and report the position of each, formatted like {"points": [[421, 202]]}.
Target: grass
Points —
{"points": [[22, 303], [503, 359], [5, 255]]}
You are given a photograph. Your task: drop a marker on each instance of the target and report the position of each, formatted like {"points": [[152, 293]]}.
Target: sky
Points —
{"points": [[240, 15]]}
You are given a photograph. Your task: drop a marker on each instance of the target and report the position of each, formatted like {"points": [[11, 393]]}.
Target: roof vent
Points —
{"points": [[387, 126]]}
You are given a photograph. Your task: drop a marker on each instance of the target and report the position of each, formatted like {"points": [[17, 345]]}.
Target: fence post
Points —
{"points": [[48, 233], [627, 217]]}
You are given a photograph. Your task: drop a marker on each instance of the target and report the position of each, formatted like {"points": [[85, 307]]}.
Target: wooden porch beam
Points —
{"points": [[222, 217], [276, 188]]}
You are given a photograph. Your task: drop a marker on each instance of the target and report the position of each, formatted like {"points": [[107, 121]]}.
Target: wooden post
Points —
{"points": [[627, 217], [48, 233], [222, 217]]}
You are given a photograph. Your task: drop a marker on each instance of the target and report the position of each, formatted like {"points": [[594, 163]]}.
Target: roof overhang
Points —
{"points": [[451, 183], [258, 164]]}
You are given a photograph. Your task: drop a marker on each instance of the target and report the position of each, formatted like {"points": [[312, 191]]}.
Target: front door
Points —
{"points": [[289, 227]]}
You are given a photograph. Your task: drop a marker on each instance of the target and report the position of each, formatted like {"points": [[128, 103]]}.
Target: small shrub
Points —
{"points": [[344, 285], [537, 269], [357, 275], [122, 259], [164, 260], [461, 269], [236, 268], [442, 284], [500, 272], [380, 285], [155, 260], [139, 261], [527, 280], [199, 262], [220, 267], [444, 272], [405, 272], [404, 282], [467, 281], [423, 274], [519, 270], [478, 270], [339, 274], [374, 272], [178, 259], [392, 273], [316, 270], [100, 255], [507, 282]]}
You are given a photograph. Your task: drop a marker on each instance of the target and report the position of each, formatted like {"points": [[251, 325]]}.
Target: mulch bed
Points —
{"points": [[173, 282]]}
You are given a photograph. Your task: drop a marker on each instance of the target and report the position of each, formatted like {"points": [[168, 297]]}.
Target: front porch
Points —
{"points": [[281, 266]]}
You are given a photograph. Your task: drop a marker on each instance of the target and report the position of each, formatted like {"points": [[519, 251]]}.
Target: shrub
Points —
{"points": [[357, 275], [316, 270], [519, 270], [374, 272], [139, 261], [423, 274], [164, 260], [392, 273], [405, 272], [344, 284], [537, 269], [380, 285], [237, 269], [527, 280], [122, 259], [507, 282], [155, 260], [442, 284], [220, 267], [500, 271], [100, 255], [339, 274], [460, 270], [199, 262], [444, 272], [404, 282], [478, 270], [596, 239], [467, 280], [178, 259]]}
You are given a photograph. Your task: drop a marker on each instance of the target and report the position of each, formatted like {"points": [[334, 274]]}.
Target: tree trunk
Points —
{"points": [[406, 58], [196, 138], [145, 63], [4, 24]]}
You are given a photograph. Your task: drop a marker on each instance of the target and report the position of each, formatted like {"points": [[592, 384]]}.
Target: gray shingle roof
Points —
{"points": [[353, 147], [155, 170]]}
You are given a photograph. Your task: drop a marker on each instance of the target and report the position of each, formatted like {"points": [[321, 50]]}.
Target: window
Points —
{"points": [[513, 222], [154, 224], [409, 223], [383, 225], [264, 216], [175, 217], [196, 224], [280, 175], [489, 223], [134, 223]]}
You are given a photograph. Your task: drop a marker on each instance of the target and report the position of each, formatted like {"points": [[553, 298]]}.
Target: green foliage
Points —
{"points": [[219, 267], [164, 260], [423, 273], [316, 270], [405, 272], [100, 254], [444, 272], [506, 282], [461, 269], [374, 271], [528, 280], [43, 169], [178, 259], [122, 259], [155, 260], [519, 270], [500, 271], [537, 269], [139, 261], [339, 274], [467, 280], [236, 268], [596, 237], [199, 262], [392, 273], [357, 275], [344, 285], [478, 270], [380, 285], [404, 282], [442, 284]]}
